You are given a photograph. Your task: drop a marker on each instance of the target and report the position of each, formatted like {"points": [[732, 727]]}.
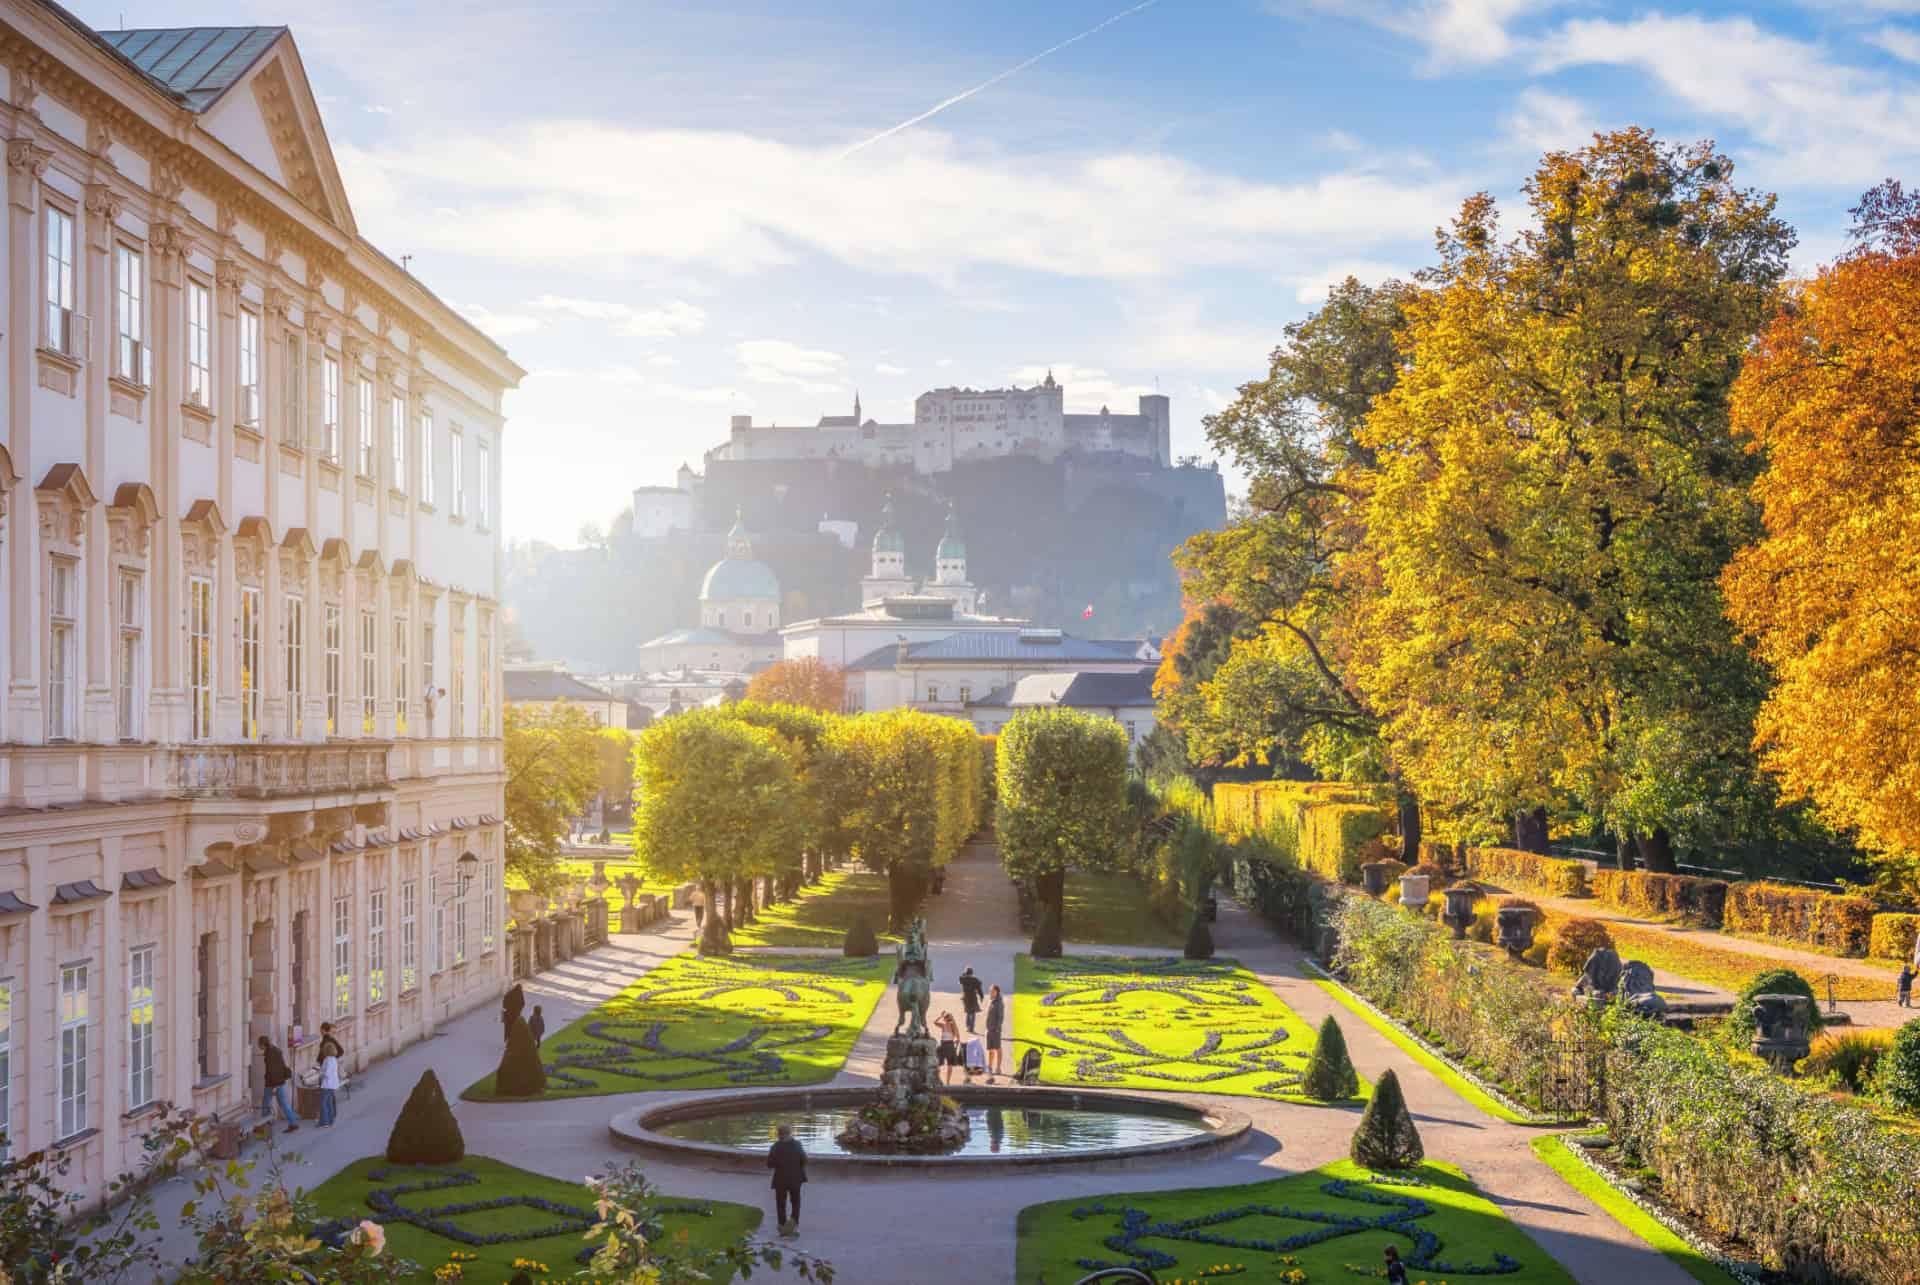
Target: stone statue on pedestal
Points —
{"points": [[913, 980]]}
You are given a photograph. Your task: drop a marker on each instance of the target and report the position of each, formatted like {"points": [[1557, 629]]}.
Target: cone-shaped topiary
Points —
{"points": [[1386, 1138], [1199, 937], [1046, 942], [860, 942], [1330, 1076], [520, 1074], [512, 1003], [426, 1132]]}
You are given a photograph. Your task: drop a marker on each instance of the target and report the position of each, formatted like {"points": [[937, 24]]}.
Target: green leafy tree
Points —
{"points": [[1062, 777], [553, 759], [719, 800]]}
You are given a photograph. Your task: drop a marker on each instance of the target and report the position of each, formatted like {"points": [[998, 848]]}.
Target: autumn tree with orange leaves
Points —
{"points": [[1830, 594], [808, 681]]}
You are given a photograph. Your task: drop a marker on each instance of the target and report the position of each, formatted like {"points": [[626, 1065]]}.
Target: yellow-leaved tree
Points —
{"points": [[1831, 593]]}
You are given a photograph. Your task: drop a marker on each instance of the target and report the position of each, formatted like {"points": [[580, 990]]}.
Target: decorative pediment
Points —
{"points": [[205, 514], [370, 561], [402, 569], [296, 550], [252, 540], [292, 121], [130, 519], [335, 550], [200, 533], [64, 498]]}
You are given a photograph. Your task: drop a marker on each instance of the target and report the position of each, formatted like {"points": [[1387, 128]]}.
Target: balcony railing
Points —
{"points": [[253, 771]]}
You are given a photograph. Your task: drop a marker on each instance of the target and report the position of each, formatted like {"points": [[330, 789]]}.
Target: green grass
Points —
{"points": [[1145, 1023], [345, 1196], [793, 1018], [1412, 1048], [1056, 1245], [1554, 1150], [821, 913], [1104, 909], [1729, 968]]}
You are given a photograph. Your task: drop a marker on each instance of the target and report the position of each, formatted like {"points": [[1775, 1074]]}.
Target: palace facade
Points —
{"points": [[250, 756]]}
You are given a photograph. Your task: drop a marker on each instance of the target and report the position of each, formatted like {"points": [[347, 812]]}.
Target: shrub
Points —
{"points": [[1574, 940], [1899, 1072], [425, 1133], [520, 1074], [1643, 892], [1841, 924], [1386, 1138], [1199, 937], [1847, 1059], [1330, 1076], [1510, 866], [1775, 981], [1893, 935], [1046, 941], [1335, 841], [860, 942], [1444, 855]]}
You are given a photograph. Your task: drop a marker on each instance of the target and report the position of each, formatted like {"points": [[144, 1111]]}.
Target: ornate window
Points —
{"points": [[249, 368], [250, 672], [130, 661], [489, 905], [63, 609], [129, 285], [459, 919], [426, 457], [61, 333], [377, 946], [439, 921], [330, 642], [330, 409], [369, 667], [485, 727], [409, 935], [456, 461], [140, 1006], [485, 514], [295, 648], [293, 387], [200, 656], [397, 430], [427, 692], [369, 454], [402, 677], [75, 1016], [343, 956], [457, 676], [199, 343]]}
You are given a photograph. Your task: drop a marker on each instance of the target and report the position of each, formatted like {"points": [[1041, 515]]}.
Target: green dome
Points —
{"points": [[951, 545], [740, 578], [888, 539]]}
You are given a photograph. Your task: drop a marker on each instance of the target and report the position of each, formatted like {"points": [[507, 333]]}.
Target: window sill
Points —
{"points": [[396, 493], [74, 1140], [251, 431], [144, 1110], [69, 361], [374, 1010], [211, 1081], [426, 506], [412, 993], [131, 387], [331, 465]]}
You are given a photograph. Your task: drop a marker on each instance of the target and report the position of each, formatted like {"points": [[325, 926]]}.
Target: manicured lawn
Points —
{"points": [[1559, 1156], [1437, 1219], [1104, 909], [1192, 1026], [707, 1223], [821, 914], [696, 1023]]}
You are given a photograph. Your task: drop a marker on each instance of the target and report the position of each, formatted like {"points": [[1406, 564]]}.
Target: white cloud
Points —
{"points": [[943, 362], [888, 368], [1455, 33], [499, 325], [776, 361], [661, 359], [1821, 120], [1902, 42], [1313, 287], [675, 317], [1543, 121], [738, 203]]}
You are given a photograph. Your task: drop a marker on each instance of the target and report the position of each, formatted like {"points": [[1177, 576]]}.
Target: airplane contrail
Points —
{"points": [[989, 83]]}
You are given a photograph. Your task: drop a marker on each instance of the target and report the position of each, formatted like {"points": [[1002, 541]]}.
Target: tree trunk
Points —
{"points": [[1530, 831], [1623, 852], [1656, 851], [1051, 888], [1409, 805], [713, 933]]}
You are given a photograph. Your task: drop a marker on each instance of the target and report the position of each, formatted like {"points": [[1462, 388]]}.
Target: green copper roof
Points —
{"points": [[951, 545], [887, 539], [740, 578], [198, 63]]}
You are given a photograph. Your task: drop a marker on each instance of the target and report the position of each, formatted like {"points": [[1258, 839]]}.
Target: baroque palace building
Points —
{"points": [[250, 756]]}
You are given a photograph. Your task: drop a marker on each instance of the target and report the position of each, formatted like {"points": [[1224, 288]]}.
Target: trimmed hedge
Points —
{"points": [[1701, 902], [1339, 838], [1832, 922], [1507, 866], [1573, 941], [1893, 936]]}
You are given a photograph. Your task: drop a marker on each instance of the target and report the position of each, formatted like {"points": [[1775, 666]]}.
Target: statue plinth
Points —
{"points": [[910, 1114]]}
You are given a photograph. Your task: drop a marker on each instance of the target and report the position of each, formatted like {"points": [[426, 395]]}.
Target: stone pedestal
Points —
{"points": [[910, 1114]]}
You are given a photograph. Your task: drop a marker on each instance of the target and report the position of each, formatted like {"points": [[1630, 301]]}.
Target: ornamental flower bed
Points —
{"points": [[1171, 1024]]}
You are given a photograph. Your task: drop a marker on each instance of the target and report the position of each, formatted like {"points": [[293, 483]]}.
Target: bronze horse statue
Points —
{"points": [[913, 978]]}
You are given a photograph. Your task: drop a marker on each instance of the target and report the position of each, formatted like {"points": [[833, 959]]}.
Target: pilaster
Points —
{"points": [[26, 163], [97, 722]]}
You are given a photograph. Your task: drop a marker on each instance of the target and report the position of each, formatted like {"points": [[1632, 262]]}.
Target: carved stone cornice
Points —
{"points": [[103, 202], [100, 139], [277, 301], [316, 325], [26, 162], [229, 275]]}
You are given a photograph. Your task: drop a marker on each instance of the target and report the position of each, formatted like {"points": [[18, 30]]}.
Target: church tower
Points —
{"points": [[950, 569], [889, 578]]}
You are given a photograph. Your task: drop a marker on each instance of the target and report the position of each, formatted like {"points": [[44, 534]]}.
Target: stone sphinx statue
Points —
{"points": [[913, 981], [1637, 992], [1601, 977]]}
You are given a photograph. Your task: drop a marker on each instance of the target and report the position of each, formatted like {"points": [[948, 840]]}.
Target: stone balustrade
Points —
{"points": [[258, 771]]}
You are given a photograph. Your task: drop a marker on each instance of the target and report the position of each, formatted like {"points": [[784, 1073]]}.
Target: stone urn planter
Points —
{"points": [[527, 905], [1781, 1029], [1373, 877], [1515, 925], [1415, 890], [1459, 912]]}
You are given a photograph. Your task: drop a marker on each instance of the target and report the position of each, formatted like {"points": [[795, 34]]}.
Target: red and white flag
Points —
{"points": [[1088, 613]]}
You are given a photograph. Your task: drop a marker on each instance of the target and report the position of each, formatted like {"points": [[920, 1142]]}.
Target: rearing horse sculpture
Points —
{"points": [[913, 978]]}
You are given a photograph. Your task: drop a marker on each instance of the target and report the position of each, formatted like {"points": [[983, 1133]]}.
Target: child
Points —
{"points": [[1396, 1270], [329, 1085], [1903, 986]]}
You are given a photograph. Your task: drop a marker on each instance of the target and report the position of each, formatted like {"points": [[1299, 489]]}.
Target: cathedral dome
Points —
{"points": [[740, 578], [952, 546], [888, 539]]}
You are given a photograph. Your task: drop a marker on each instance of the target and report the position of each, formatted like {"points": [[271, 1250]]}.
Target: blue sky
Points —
{"points": [[652, 207]]}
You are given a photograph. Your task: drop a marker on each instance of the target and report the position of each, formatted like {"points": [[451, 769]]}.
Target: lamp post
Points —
{"points": [[463, 872]]}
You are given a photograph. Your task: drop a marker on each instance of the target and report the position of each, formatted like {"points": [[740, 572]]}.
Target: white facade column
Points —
{"points": [[97, 721], [167, 713], [26, 162]]}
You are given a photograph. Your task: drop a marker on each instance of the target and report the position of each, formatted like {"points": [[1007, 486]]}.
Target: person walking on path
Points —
{"points": [[1903, 986], [788, 1160], [537, 1025], [996, 1022], [329, 1086], [970, 990], [699, 903], [949, 1052], [274, 1084]]}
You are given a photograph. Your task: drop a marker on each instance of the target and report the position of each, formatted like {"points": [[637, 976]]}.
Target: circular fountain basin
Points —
{"points": [[1012, 1128]]}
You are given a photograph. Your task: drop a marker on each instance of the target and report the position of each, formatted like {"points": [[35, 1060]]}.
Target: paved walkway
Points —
{"points": [[897, 1230], [1810, 964]]}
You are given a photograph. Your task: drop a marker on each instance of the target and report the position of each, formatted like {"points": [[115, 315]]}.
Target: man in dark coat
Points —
{"points": [[788, 1160], [274, 1083], [970, 992], [328, 1044]]}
